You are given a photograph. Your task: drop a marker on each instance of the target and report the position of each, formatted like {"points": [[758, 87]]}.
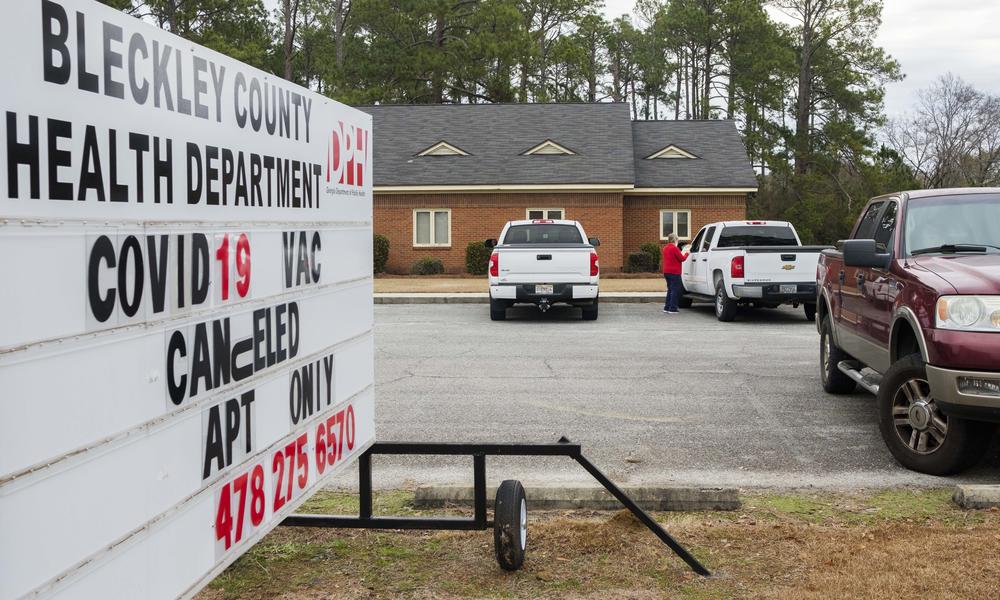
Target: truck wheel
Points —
{"points": [[498, 310], [834, 380], [810, 310], [918, 434], [725, 307], [590, 311], [510, 525]]}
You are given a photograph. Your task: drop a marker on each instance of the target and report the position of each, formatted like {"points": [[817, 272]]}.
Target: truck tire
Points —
{"points": [[498, 310], [590, 311], [918, 434], [510, 525], [810, 310], [725, 307], [834, 380]]}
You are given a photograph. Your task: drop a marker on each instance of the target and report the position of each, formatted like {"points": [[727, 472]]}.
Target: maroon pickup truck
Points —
{"points": [[909, 309]]}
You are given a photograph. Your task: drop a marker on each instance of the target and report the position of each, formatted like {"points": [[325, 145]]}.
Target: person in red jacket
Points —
{"points": [[672, 259]]}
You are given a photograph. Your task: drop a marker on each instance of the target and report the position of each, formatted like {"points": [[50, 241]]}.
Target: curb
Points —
{"points": [[591, 498], [484, 298], [977, 496]]}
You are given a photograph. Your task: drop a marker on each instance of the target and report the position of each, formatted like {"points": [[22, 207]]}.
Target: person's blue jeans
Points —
{"points": [[674, 288]]}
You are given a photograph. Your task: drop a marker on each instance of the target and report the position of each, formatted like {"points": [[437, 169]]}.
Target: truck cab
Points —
{"points": [[909, 309]]}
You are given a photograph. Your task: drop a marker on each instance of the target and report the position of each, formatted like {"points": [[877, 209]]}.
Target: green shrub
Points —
{"points": [[477, 258], [427, 266], [380, 252], [641, 262], [653, 250]]}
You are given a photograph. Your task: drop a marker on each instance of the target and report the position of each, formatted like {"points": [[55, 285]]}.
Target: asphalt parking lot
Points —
{"points": [[653, 398]]}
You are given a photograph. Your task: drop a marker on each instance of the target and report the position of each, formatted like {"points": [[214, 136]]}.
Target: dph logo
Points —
{"points": [[347, 155]]}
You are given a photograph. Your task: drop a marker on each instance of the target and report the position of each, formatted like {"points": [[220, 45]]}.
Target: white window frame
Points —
{"points": [[675, 212], [433, 244], [545, 211]]}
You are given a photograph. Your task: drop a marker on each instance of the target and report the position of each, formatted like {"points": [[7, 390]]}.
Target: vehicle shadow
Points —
{"points": [[783, 315], [558, 313]]}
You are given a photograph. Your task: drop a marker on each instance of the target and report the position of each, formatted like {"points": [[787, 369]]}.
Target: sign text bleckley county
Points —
{"points": [[111, 165]]}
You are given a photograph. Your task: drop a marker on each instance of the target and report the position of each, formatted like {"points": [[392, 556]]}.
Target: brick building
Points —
{"points": [[447, 175]]}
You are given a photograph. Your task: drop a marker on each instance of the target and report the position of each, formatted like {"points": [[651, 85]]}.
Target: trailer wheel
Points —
{"points": [[510, 525]]}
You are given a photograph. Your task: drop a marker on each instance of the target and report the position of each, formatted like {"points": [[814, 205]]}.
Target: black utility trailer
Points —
{"points": [[510, 506]]}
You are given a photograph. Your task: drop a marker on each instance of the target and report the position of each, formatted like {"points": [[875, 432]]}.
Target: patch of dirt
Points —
{"points": [[761, 552]]}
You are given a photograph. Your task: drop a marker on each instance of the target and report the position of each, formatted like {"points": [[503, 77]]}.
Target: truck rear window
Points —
{"points": [[543, 234], [757, 235]]}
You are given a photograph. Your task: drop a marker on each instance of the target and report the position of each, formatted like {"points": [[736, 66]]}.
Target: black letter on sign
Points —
{"points": [[213, 443], [199, 268], [131, 246], [194, 175], [22, 154], [84, 79], [232, 426], [101, 307], [293, 329], [59, 190], [176, 388], [317, 245], [201, 366], [53, 42], [158, 269], [91, 179], [295, 396], [246, 400]]}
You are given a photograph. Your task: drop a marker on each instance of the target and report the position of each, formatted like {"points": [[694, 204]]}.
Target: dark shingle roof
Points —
{"points": [[495, 135], [722, 160], [609, 147]]}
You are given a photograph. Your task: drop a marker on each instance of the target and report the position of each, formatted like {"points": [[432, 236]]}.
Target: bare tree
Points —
{"points": [[952, 137]]}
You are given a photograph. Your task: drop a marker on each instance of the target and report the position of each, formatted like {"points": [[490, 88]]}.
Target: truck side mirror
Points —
{"points": [[864, 253], [594, 242], [490, 243]]}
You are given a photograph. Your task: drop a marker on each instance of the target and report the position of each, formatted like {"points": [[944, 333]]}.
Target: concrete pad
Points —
{"points": [[977, 496], [591, 498]]}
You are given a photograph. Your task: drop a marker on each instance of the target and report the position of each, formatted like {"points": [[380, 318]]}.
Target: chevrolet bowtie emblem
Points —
{"points": [[788, 267]]}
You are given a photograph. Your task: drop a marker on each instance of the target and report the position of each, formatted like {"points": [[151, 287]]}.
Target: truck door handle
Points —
{"points": [[544, 257], [788, 257], [704, 260]]}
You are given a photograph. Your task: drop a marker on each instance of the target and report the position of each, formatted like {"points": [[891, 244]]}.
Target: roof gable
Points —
{"points": [[443, 148], [549, 147], [670, 151]]}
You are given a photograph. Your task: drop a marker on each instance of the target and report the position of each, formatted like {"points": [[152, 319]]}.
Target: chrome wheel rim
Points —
{"points": [[524, 524], [718, 302], [824, 350], [918, 422]]}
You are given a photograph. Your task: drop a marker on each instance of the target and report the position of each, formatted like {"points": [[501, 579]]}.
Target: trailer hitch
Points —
{"points": [[509, 522]]}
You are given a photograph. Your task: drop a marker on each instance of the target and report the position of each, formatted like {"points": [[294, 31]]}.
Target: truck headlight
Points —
{"points": [[969, 313]]}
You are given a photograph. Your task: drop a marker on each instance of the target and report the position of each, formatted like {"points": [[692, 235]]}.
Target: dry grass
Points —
{"points": [[908, 544], [451, 285]]}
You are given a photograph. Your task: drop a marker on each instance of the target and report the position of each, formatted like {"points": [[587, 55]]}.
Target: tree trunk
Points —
{"points": [[437, 81], [803, 106], [677, 95], [291, 8], [339, 18]]}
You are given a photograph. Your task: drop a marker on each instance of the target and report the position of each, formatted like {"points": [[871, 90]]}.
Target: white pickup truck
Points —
{"points": [[543, 262], [750, 263]]}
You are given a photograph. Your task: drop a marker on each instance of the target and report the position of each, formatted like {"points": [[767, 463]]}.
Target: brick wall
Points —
{"points": [[642, 215], [476, 217]]}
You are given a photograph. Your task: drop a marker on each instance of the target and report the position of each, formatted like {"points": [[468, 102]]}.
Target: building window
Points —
{"points": [[549, 147], [675, 221], [432, 227], [545, 213]]}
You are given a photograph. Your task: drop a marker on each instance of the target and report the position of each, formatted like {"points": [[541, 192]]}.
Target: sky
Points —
{"points": [[928, 38]]}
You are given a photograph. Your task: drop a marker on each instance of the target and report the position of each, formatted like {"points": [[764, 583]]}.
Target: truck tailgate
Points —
{"points": [[548, 263], [777, 264]]}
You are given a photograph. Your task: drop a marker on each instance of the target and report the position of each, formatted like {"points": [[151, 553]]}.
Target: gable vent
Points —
{"points": [[549, 147], [443, 148], [671, 151]]}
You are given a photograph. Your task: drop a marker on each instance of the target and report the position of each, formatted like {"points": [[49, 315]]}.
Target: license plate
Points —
{"points": [[789, 289], [543, 289]]}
